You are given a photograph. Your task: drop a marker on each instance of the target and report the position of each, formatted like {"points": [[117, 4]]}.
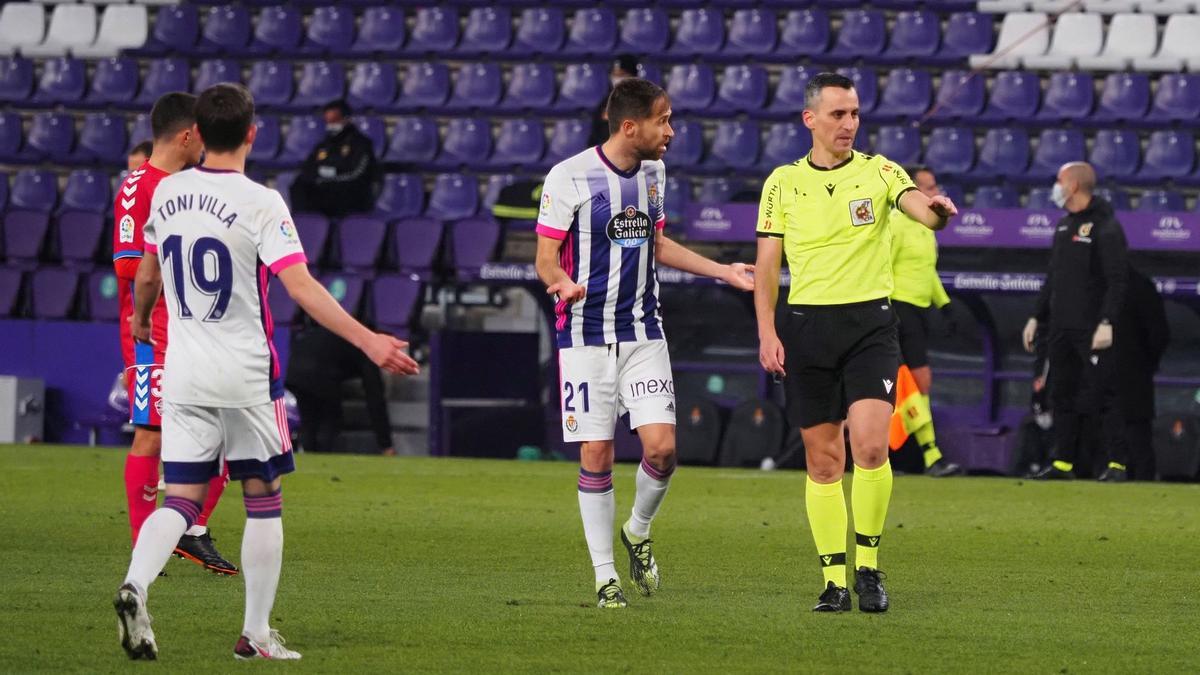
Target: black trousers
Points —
{"points": [[1083, 383], [321, 413]]}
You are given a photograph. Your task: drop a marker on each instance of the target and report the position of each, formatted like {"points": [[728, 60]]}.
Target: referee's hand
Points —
{"points": [[567, 291], [942, 206], [770, 354]]}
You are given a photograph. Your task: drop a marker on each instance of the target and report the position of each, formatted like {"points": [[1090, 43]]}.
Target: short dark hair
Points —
{"points": [[820, 81], [144, 148], [339, 105], [224, 115], [918, 168], [632, 99], [171, 114], [627, 63]]}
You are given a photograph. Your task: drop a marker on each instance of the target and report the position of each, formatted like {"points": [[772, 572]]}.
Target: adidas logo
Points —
{"points": [[671, 407], [887, 385]]}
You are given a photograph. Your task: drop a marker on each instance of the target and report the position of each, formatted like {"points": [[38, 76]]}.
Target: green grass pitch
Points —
{"points": [[443, 565]]}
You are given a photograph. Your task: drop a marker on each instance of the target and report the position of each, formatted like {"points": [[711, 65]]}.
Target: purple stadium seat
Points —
{"points": [[271, 83], [313, 229], [89, 191], [1125, 96], [1038, 197], [302, 136], [488, 31], [375, 129], [907, 93], [347, 289], [102, 139], [1177, 98], [593, 32], [788, 101], [838, 4], [1055, 147], [217, 71], [79, 237], [10, 291], [164, 76], [1005, 153], [1169, 154], [916, 35], [283, 185], [787, 142], [805, 32], [950, 151], [520, 144], [331, 31], [1069, 96], [34, 190], [51, 137], [996, 197], [417, 241], [900, 144], [866, 83], [454, 196], [473, 242], [63, 81], [53, 292], [3, 193], [687, 148], [435, 31], [283, 308], [278, 31], [743, 89], [226, 30], [863, 34], [468, 141], [25, 236], [414, 141], [402, 196], [102, 300], [716, 190], [677, 197], [394, 301], [496, 183], [692, 87], [382, 31], [569, 138], [701, 31], [960, 95], [532, 87], [320, 82], [16, 79], [1116, 153], [1014, 96], [140, 130], [1161, 200], [584, 87], [426, 85], [478, 85], [1115, 196], [752, 32], [176, 29], [644, 30], [735, 145], [360, 242], [266, 144], [541, 30], [966, 33]]}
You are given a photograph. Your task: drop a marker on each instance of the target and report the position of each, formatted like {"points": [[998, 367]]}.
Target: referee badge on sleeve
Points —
{"points": [[862, 212]]}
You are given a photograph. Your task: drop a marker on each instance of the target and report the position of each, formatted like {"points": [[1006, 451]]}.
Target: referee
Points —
{"points": [[839, 353]]}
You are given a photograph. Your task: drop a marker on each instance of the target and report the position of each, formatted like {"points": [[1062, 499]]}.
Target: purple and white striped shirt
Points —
{"points": [[607, 220]]}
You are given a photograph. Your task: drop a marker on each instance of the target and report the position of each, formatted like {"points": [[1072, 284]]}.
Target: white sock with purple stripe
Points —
{"points": [[598, 507], [262, 559], [158, 538], [652, 484]]}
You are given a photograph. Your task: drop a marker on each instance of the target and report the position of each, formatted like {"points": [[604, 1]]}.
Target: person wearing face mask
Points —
{"points": [[340, 175], [1079, 302], [626, 66]]}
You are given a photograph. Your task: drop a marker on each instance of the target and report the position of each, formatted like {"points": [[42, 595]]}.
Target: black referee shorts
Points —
{"points": [[838, 354], [914, 333]]}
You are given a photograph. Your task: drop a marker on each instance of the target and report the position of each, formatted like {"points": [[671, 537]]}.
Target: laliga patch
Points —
{"points": [[630, 228], [862, 212], [126, 229], [546, 201], [288, 230]]}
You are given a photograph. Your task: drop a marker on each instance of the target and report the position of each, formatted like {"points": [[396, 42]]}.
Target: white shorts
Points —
{"points": [[601, 383], [254, 442]]}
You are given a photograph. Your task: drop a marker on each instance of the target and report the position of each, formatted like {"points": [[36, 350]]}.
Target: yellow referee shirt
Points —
{"points": [[835, 226], [914, 263]]}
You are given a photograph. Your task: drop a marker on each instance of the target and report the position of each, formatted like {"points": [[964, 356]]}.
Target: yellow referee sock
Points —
{"points": [[826, 507], [872, 492]]}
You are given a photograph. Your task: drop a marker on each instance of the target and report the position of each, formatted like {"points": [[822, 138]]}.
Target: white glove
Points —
{"points": [[1103, 337], [1028, 334]]}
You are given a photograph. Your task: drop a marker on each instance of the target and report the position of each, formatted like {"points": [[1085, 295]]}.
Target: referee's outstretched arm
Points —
{"points": [[932, 212]]}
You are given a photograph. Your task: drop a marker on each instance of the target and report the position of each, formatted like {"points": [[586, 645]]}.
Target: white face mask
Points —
{"points": [[1058, 195], [334, 128]]}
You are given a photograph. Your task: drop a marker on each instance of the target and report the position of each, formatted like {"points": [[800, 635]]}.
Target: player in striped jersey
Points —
{"points": [[600, 235]]}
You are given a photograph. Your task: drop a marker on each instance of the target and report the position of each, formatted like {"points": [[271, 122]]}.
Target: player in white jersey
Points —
{"points": [[600, 235], [220, 237]]}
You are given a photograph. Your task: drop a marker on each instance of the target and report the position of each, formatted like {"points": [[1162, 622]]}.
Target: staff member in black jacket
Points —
{"points": [[1080, 300], [1141, 339], [340, 175]]}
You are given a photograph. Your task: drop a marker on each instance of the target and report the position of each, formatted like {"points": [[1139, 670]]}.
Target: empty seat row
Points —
{"points": [[85, 190], [1080, 40], [74, 29], [592, 31]]}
